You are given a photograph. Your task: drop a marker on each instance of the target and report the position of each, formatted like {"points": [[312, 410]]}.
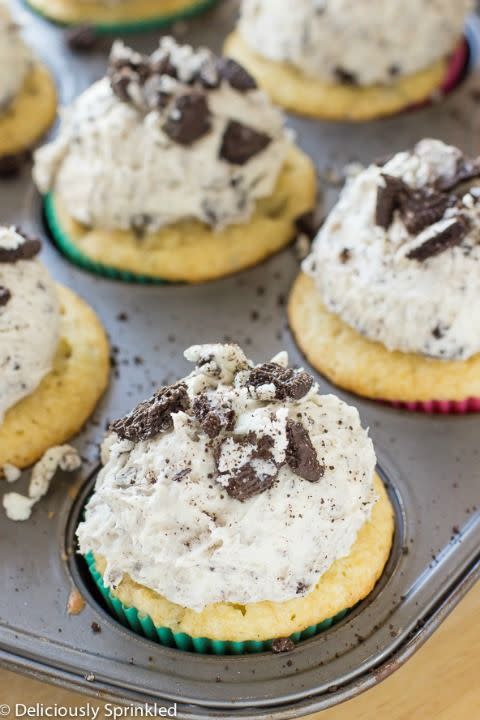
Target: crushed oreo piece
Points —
{"points": [[82, 39], [281, 645], [188, 118], [236, 75], [153, 416], [209, 75], [27, 250], [345, 255], [120, 81], [213, 419], [450, 237], [301, 455], [289, 384], [345, 77], [5, 295], [182, 474], [422, 208], [240, 143], [388, 200], [466, 170], [246, 484], [307, 224]]}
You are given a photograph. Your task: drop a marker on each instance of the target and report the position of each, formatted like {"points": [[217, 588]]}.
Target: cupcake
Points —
{"points": [[351, 59], [119, 15], [173, 167], [236, 507], [53, 355], [385, 304], [28, 99]]}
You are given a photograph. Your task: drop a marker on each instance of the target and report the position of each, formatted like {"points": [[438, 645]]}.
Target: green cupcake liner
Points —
{"points": [[79, 258], [138, 25], [144, 625]]}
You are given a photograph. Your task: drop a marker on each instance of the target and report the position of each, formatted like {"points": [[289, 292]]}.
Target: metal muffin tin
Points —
{"points": [[430, 463]]}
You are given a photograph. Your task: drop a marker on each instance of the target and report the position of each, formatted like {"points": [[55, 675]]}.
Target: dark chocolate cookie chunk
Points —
{"points": [[345, 77], [422, 208], [308, 224], [28, 249], [466, 170], [289, 384], [388, 199], [5, 295], [448, 238], [82, 39], [246, 484], [236, 75], [240, 143], [213, 419], [153, 416], [301, 455], [188, 118]]}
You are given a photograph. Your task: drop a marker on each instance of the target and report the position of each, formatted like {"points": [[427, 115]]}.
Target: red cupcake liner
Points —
{"points": [[457, 67], [441, 407]]}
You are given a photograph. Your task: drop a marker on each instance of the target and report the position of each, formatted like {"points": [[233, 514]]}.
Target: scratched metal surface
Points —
{"points": [[431, 464]]}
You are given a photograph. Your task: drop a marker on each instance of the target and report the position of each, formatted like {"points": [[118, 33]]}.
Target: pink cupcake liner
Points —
{"points": [[441, 407], [456, 68]]}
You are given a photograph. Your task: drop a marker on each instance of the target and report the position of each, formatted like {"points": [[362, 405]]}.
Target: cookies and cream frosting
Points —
{"points": [[239, 483], [179, 134], [29, 318], [15, 58], [398, 258], [362, 42]]}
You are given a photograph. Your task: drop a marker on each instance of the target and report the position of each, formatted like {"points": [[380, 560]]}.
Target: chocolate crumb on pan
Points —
{"points": [[153, 416], [282, 645], [82, 39]]}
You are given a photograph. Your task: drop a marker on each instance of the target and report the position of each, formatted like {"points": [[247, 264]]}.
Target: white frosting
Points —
{"points": [[193, 543], [113, 165], [420, 307], [29, 325], [373, 40], [59, 457], [15, 57]]}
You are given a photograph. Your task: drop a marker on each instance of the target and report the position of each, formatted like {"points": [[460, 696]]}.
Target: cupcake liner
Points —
{"points": [[457, 67], [139, 25], [79, 258], [440, 407], [143, 625]]}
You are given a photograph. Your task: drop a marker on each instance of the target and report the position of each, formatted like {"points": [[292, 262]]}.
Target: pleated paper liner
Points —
{"points": [[79, 258], [162, 21], [440, 407], [143, 625]]}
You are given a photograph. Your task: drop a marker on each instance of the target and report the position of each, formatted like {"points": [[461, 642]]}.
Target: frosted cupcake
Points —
{"points": [[53, 355], [385, 304], [27, 95], [351, 59], [119, 15], [200, 478], [173, 167]]}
